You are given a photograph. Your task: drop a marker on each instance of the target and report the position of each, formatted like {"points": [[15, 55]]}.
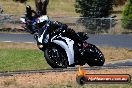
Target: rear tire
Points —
{"points": [[56, 57], [95, 56]]}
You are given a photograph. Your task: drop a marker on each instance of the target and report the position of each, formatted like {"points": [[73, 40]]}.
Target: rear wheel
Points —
{"points": [[56, 57], [95, 56]]}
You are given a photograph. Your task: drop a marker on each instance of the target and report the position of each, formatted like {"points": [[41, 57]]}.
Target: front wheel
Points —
{"points": [[56, 57], [94, 56]]}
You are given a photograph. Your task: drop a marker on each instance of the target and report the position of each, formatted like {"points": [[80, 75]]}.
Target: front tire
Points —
{"points": [[95, 56], [56, 57]]}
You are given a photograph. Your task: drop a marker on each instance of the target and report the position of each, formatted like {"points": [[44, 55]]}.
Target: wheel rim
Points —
{"points": [[97, 56], [100, 56], [57, 57]]}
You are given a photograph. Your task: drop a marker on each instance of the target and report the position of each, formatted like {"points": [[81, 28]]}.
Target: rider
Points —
{"points": [[30, 18], [55, 26]]}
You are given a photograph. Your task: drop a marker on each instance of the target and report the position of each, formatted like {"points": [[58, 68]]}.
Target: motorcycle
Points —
{"points": [[61, 52]]}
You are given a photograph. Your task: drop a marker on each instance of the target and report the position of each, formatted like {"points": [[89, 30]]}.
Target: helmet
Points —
{"points": [[43, 18]]}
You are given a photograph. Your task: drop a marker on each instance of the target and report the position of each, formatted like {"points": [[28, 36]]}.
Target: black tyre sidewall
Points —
{"points": [[50, 62], [91, 61]]}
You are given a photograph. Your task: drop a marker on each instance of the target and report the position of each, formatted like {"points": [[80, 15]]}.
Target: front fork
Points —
{"points": [[83, 50], [36, 37], [39, 45], [79, 53]]}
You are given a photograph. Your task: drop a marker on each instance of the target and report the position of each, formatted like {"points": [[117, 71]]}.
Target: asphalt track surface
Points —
{"points": [[116, 40]]}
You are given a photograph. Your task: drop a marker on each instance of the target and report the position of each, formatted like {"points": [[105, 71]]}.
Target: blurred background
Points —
{"points": [[73, 14]]}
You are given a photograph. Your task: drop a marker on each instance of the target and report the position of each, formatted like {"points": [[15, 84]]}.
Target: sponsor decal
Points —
{"points": [[84, 78]]}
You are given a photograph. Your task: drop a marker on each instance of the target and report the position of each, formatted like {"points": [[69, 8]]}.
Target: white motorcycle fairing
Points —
{"points": [[67, 45]]}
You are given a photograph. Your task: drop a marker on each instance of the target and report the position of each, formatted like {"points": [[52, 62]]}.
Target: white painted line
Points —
{"points": [[28, 42], [18, 42], [7, 41]]}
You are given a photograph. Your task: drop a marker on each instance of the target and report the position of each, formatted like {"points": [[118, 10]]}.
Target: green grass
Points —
{"points": [[26, 56], [21, 59]]}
